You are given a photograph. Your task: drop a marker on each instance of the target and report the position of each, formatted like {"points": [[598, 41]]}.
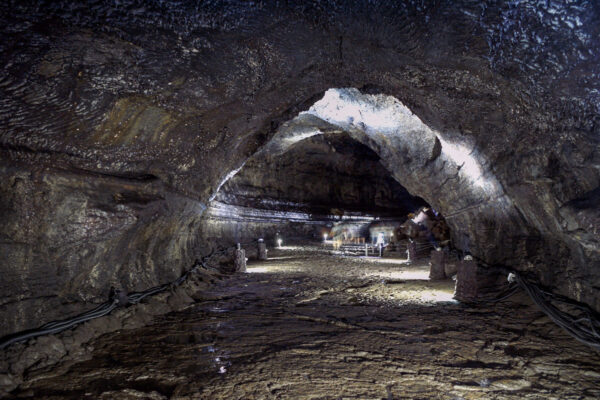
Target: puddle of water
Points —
{"points": [[221, 361], [378, 260]]}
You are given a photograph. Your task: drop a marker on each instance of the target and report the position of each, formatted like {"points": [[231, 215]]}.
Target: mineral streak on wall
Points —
{"points": [[118, 122]]}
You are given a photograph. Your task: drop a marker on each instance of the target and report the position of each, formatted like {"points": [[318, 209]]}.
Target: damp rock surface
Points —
{"points": [[307, 325]]}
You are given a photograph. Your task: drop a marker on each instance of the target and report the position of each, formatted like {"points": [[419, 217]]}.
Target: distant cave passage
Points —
{"points": [[353, 155], [323, 187]]}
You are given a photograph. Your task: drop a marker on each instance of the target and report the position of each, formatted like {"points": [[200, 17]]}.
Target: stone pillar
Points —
{"points": [[451, 264], [466, 281], [262, 249], [437, 264], [411, 251], [380, 250], [366, 250], [240, 259]]}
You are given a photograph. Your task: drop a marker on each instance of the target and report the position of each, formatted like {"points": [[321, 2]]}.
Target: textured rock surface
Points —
{"points": [[67, 238], [120, 121], [313, 184], [312, 326], [319, 175], [41, 355]]}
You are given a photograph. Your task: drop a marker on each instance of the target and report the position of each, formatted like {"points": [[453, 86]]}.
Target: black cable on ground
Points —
{"points": [[59, 326], [509, 292], [584, 327]]}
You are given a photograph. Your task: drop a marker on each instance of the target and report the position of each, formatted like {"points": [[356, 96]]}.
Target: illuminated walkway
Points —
{"points": [[306, 325]]}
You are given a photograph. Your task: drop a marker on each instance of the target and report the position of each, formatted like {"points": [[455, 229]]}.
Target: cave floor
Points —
{"points": [[307, 325]]}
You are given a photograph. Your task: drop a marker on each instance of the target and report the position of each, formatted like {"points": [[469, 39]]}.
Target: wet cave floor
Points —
{"points": [[308, 325]]}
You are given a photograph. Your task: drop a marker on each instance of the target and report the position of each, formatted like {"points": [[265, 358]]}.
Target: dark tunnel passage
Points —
{"points": [[318, 182], [317, 199]]}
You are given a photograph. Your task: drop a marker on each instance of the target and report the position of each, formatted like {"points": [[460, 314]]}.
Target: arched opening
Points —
{"points": [[330, 194], [317, 152], [301, 192]]}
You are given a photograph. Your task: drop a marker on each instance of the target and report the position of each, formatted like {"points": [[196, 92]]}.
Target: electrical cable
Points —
{"points": [[510, 291], [107, 307], [56, 327], [584, 328]]}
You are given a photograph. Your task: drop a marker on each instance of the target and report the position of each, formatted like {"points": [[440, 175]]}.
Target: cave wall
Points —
{"points": [[301, 192], [319, 175], [66, 238], [164, 100]]}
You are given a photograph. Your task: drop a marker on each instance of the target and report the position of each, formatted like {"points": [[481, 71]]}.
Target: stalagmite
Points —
{"points": [[262, 249], [466, 280], [411, 251], [240, 259], [437, 264]]}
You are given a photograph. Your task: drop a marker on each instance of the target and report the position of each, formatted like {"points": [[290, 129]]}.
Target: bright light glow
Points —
{"points": [[379, 260], [297, 137], [279, 242], [419, 218], [439, 296], [258, 270], [291, 248], [324, 236], [426, 296], [409, 274], [464, 157], [384, 119], [348, 108], [228, 212], [285, 267]]}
